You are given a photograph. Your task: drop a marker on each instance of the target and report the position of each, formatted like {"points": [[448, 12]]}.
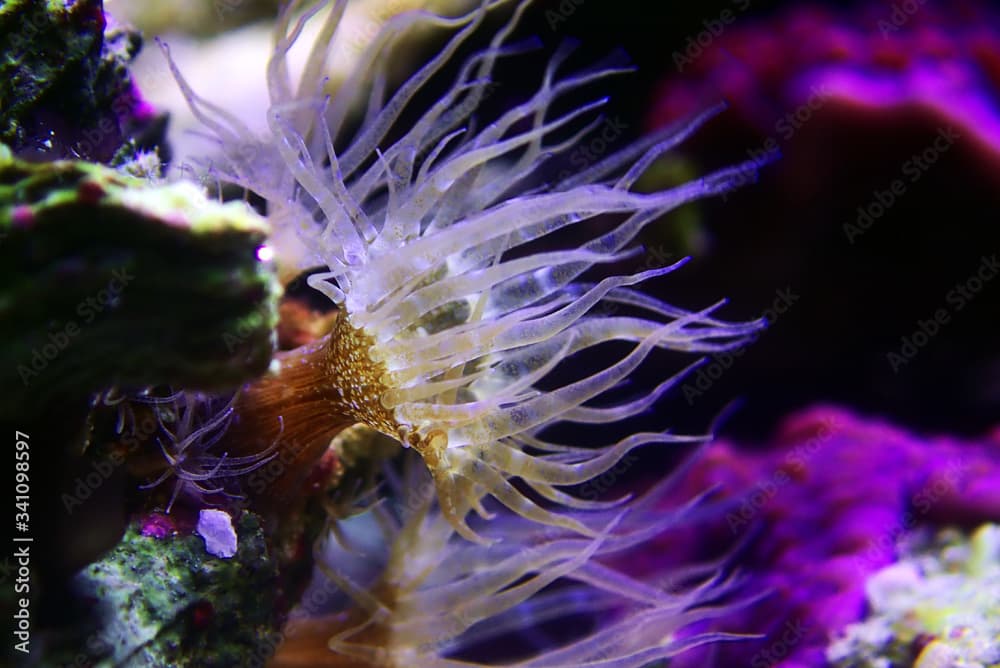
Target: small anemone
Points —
{"points": [[452, 320], [416, 594], [190, 425]]}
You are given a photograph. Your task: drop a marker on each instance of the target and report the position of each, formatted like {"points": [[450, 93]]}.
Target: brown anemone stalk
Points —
{"points": [[309, 396], [305, 640], [288, 410]]}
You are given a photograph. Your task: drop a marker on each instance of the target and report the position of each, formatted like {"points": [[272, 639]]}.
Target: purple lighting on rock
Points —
{"points": [[944, 61], [823, 508]]}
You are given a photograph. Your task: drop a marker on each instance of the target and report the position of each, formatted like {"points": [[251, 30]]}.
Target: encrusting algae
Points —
{"points": [[450, 323], [89, 257]]}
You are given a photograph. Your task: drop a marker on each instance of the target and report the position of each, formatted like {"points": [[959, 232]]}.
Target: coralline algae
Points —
{"points": [[938, 607], [64, 81], [165, 602], [825, 508]]}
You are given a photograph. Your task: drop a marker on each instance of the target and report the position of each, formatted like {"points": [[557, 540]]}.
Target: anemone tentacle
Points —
{"points": [[189, 426], [420, 595]]}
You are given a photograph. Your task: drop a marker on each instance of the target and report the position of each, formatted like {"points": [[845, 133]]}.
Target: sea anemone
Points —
{"points": [[444, 333], [186, 426], [456, 314]]}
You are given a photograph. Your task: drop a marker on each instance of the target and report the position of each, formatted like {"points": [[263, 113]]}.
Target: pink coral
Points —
{"points": [[942, 61], [825, 507]]}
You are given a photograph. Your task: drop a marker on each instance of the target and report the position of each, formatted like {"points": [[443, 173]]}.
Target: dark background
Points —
{"points": [[856, 301]]}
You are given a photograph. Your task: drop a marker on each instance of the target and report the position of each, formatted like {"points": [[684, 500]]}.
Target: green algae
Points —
{"points": [[167, 602], [65, 88]]}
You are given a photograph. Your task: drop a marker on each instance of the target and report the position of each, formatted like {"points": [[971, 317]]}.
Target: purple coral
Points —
{"points": [[824, 508], [942, 60]]}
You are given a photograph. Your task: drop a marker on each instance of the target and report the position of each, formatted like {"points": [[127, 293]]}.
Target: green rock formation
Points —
{"points": [[165, 601], [110, 279], [65, 90]]}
